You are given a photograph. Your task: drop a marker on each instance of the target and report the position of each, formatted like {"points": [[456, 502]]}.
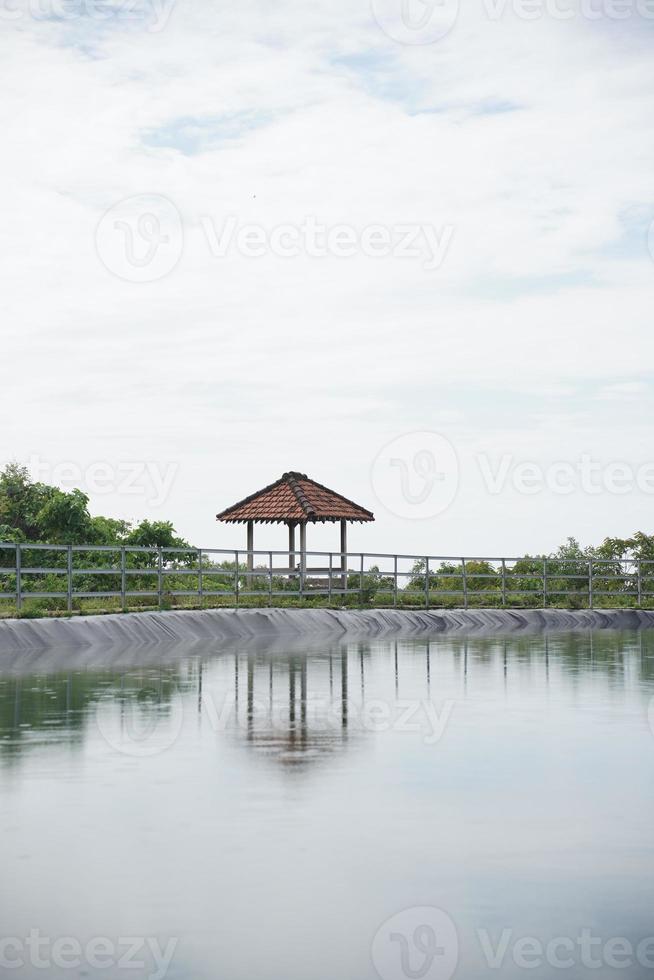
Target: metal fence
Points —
{"points": [[134, 576]]}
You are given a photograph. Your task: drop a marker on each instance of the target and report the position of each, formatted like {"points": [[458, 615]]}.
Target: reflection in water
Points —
{"points": [[509, 781], [37, 708]]}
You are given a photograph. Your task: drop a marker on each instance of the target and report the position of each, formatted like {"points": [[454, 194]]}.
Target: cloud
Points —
{"points": [[527, 138]]}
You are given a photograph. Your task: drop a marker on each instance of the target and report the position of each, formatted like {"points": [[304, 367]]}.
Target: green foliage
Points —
{"points": [[155, 534], [640, 546], [448, 577], [8, 534], [108, 530], [21, 501], [65, 519], [370, 585], [41, 513]]}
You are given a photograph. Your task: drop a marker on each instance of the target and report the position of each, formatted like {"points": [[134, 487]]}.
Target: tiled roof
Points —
{"points": [[294, 497]]}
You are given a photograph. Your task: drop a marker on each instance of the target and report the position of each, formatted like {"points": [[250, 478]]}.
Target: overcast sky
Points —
{"points": [[242, 238]]}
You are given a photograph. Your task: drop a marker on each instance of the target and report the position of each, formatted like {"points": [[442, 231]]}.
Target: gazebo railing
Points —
{"points": [[65, 576]]}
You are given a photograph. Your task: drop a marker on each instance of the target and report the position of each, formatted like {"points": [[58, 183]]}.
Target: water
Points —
{"points": [[400, 810]]}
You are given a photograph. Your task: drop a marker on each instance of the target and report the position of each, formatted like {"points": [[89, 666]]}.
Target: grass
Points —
{"points": [[57, 608]]}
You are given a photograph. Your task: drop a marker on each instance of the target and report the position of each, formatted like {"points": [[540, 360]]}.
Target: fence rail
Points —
{"points": [[68, 574]]}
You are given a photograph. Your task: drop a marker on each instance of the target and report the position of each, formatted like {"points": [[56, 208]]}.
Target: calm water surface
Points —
{"points": [[275, 811]]}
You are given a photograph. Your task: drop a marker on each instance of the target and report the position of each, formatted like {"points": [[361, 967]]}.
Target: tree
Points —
{"points": [[65, 518], [568, 573], [628, 564], [158, 534], [639, 547], [155, 534], [108, 530], [45, 514], [21, 501]]}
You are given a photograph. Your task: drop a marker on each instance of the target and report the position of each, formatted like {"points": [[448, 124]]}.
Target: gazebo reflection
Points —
{"points": [[297, 709], [281, 717]]}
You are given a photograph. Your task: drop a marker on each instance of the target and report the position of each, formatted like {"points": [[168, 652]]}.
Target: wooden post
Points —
{"points": [[303, 553], [291, 544], [344, 554], [250, 555]]}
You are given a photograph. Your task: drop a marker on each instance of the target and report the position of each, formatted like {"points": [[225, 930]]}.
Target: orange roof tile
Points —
{"points": [[294, 497]]}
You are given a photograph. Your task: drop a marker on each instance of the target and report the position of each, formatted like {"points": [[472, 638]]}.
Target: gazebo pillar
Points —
{"points": [[250, 555], [291, 544], [343, 553], [303, 551]]}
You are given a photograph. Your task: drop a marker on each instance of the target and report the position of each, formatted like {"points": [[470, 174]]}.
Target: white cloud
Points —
{"points": [[240, 368]]}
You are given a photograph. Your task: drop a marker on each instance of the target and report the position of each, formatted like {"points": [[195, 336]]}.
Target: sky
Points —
{"points": [[405, 248]]}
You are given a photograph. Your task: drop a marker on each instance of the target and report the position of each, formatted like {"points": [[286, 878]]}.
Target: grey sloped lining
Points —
{"points": [[134, 630]]}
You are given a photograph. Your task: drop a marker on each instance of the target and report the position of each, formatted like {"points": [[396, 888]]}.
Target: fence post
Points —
{"points": [[236, 581], [160, 576], [544, 583], [329, 586], [640, 584], [270, 581], [200, 580], [465, 583], [69, 579], [123, 579], [426, 583], [503, 582], [19, 584], [394, 581], [361, 581], [590, 583]]}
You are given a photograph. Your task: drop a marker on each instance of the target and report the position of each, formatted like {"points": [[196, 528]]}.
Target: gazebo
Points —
{"points": [[296, 501]]}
